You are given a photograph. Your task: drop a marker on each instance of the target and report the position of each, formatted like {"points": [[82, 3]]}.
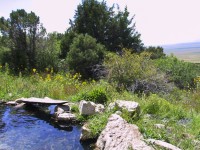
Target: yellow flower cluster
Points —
{"points": [[48, 77], [77, 76], [34, 70], [197, 79], [58, 77]]}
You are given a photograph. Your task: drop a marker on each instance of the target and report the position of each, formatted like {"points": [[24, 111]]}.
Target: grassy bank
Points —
{"points": [[178, 111]]}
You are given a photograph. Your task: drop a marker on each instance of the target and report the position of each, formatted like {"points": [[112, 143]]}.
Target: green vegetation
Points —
{"points": [[101, 58], [125, 69], [84, 54], [181, 73]]}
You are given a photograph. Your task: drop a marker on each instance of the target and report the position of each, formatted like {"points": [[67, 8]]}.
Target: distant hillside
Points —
{"points": [[186, 51]]}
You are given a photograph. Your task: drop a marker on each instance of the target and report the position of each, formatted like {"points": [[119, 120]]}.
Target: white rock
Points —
{"points": [[21, 105], [119, 135], [118, 112], [59, 109], [130, 106], [66, 117], [99, 108], [87, 107], [163, 145], [159, 126], [111, 106], [85, 133], [13, 103]]}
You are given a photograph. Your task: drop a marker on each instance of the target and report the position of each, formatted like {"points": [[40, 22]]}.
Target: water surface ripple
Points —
{"points": [[29, 129]]}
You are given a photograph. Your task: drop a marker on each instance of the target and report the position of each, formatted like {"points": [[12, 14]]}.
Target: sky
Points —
{"points": [[160, 22]]}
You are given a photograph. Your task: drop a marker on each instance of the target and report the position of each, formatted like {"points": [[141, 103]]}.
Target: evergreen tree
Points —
{"points": [[85, 53], [111, 28], [22, 29]]}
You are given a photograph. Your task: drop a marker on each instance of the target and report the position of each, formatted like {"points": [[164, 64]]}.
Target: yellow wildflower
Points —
{"points": [[34, 70]]}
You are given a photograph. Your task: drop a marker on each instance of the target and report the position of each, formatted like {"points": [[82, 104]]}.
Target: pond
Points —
{"points": [[30, 129]]}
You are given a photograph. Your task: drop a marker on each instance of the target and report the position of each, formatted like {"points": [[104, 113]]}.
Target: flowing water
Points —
{"points": [[30, 129]]}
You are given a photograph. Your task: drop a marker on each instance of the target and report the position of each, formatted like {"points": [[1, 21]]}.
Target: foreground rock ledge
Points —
{"points": [[119, 135], [163, 145], [34, 100]]}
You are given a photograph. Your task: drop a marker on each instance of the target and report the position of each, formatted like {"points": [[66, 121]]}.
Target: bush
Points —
{"points": [[180, 72], [162, 108], [97, 95], [126, 69], [156, 52], [84, 54]]}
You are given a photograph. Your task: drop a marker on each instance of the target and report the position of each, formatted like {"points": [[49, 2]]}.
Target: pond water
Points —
{"points": [[30, 129]]}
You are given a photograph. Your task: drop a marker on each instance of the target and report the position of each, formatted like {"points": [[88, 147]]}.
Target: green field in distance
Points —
{"points": [[189, 52]]}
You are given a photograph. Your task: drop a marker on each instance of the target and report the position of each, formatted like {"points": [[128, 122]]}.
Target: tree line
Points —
{"points": [[95, 31]]}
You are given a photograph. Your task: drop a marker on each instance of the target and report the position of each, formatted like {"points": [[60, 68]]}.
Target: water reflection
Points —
{"points": [[30, 129]]}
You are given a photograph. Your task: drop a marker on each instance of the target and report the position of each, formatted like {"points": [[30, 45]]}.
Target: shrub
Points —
{"points": [[84, 54], [156, 52], [97, 95], [162, 108], [126, 69], [180, 72]]}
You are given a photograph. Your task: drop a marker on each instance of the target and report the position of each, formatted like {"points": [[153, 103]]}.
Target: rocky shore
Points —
{"points": [[118, 133]]}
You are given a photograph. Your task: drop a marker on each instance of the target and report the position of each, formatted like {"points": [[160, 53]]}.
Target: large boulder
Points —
{"points": [[90, 108], [87, 107], [119, 135], [130, 106]]}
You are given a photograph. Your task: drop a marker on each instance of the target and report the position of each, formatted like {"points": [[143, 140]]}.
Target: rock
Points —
{"points": [[163, 145], [99, 108], [66, 127], [196, 143], [18, 106], [34, 100], [59, 109], [13, 103], [119, 135], [111, 106], [2, 102], [85, 133], [130, 106], [187, 136], [148, 116], [87, 108], [90, 108], [118, 112], [66, 117], [159, 126]]}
